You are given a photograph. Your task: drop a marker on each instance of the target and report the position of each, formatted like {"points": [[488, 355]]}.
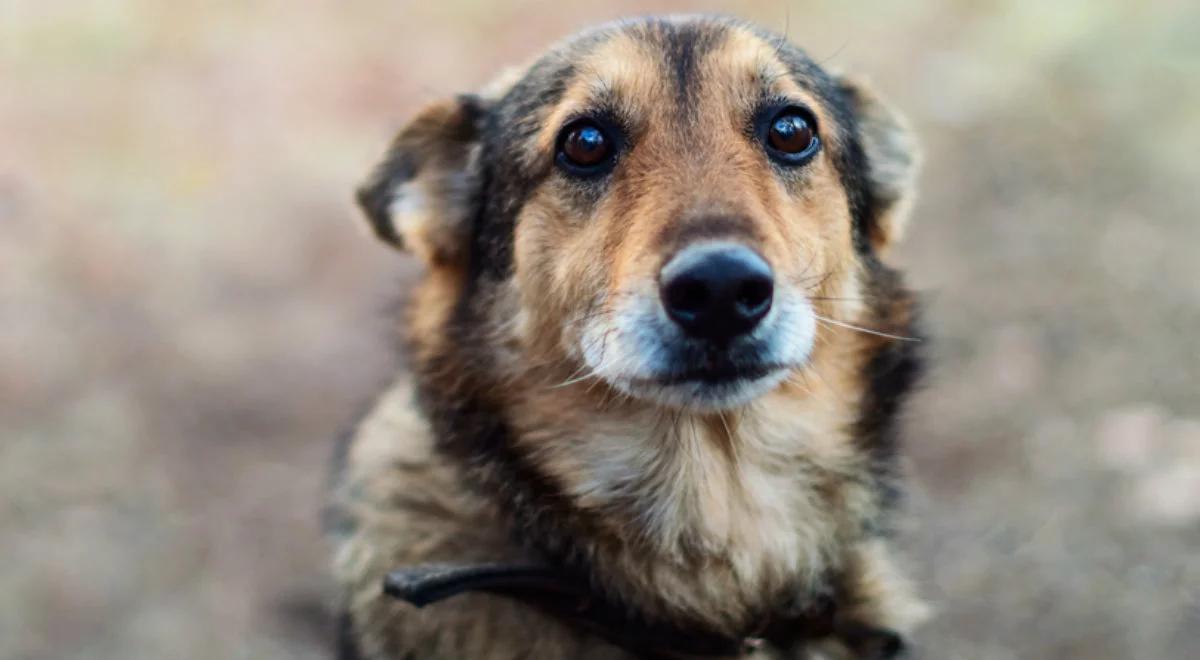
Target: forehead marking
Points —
{"points": [[684, 47]]}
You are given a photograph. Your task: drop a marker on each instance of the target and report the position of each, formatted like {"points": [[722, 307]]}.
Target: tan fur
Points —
{"points": [[698, 516]]}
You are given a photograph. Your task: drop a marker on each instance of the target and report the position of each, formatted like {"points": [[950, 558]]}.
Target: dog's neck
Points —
{"points": [[714, 516]]}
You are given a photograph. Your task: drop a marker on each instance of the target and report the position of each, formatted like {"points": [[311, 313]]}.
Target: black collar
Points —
{"points": [[572, 600]]}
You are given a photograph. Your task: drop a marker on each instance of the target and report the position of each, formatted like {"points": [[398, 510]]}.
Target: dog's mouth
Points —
{"points": [[716, 375], [713, 387]]}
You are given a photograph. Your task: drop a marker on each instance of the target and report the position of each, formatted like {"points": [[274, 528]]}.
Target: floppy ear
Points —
{"points": [[892, 162], [422, 195]]}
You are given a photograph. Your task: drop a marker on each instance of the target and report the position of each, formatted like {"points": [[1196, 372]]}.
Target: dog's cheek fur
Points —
{"points": [[890, 370], [561, 268], [817, 243]]}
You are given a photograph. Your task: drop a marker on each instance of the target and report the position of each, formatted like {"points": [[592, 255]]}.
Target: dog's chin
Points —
{"points": [[703, 391]]}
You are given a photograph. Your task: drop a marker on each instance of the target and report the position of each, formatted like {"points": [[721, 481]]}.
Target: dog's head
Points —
{"points": [[669, 206]]}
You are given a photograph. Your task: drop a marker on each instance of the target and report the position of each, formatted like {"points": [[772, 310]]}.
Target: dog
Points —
{"points": [[657, 360]]}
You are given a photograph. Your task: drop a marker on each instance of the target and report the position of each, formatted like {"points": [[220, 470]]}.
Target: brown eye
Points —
{"points": [[584, 148], [791, 136]]}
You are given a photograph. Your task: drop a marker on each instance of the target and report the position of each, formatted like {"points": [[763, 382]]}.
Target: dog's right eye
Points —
{"points": [[584, 148]]}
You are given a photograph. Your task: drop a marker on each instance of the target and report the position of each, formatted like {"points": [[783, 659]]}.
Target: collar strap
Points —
{"points": [[572, 600]]}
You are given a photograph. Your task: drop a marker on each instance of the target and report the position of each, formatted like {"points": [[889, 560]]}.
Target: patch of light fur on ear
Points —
{"points": [[409, 207]]}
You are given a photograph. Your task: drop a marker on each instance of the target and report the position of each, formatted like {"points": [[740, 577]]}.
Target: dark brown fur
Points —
{"points": [[494, 449]]}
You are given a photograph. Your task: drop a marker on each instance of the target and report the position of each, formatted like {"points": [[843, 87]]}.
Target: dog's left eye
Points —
{"points": [[792, 136], [584, 148]]}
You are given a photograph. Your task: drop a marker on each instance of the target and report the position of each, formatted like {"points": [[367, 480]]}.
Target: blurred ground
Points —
{"points": [[189, 310]]}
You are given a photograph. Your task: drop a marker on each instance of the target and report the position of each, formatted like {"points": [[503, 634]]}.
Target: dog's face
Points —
{"points": [[673, 207]]}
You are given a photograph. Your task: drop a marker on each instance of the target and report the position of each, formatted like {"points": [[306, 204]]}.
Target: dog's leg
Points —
{"points": [[879, 594], [879, 608]]}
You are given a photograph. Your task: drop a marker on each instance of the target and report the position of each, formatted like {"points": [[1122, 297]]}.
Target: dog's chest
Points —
{"points": [[720, 513]]}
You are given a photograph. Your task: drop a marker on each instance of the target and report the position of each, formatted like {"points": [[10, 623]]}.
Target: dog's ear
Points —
{"points": [[422, 196], [892, 162]]}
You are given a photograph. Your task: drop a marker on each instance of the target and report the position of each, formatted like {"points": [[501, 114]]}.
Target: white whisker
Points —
{"points": [[578, 379], [868, 331]]}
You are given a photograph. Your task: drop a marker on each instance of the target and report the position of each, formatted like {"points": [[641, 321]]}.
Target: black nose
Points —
{"points": [[716, 292]]}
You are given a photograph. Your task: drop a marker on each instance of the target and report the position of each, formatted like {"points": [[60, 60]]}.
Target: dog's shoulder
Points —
{"points": [[393, 502], [390, 484]]}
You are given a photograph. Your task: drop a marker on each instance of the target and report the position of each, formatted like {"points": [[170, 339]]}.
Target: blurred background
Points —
{"points": [[190, 307]]}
